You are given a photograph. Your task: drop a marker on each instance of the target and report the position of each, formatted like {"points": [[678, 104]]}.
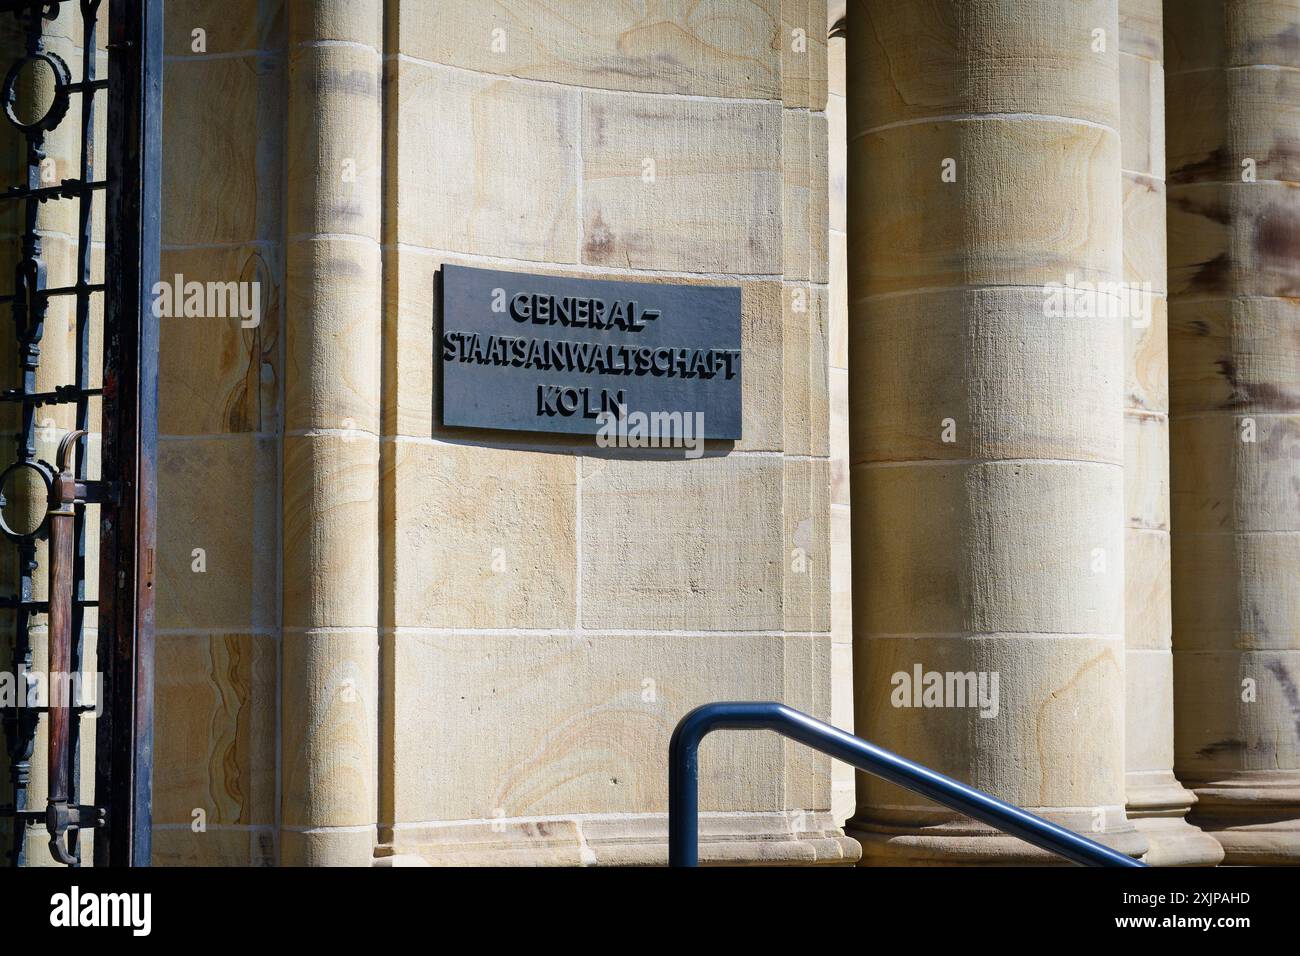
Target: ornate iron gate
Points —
{"points": [[59, 508]]}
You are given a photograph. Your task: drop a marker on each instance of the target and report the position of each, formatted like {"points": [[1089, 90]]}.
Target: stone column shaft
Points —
{"points": [[1157, 803], [329, 682], [1233, 123], [986, 428]]}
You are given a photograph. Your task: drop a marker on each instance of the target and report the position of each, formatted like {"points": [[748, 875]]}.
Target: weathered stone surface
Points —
{"points": [[1223, 483], [820, 190], [215, 738], [837, 169], [333, 138], [1142, 115], [975, 233], [1215, 33], [1063, 401], [1007, 557], [331, 534], [1145, 252], [1048, 686], [328, 729], [1233, 239], [669, 529], [601, 709], [797, 200], [806, 506], [798, 300], [717, 48], [215, 375], [330, 523], [1146, 349], [507, 156], [237, 587], [358, 22], [1155, 799], [502, 842], [332, 340], [839, 301], [799, 838], [835, 52], [1146, 471], [218, 186], [920, 61], [237, 846], [1238, 355], [819, 407], [1228, 732], [715, 202], [1147, 609], [841, 579], [794, 40], [839, 438], [1141, 28], [1033, 547], [328, 846], [228, 26], [806, 403], [762, 342], [806, 687], [843, 784], [532, 172], [1251, 606], [1149, 703], [479, 537], [1229, 117]]}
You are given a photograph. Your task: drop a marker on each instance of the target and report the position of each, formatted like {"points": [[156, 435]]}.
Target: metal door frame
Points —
{"points": [[128, 545], [126, 491]]}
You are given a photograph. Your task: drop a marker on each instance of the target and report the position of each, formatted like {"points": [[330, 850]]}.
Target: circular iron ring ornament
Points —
{"points": [[58, 107], [46, 474]]}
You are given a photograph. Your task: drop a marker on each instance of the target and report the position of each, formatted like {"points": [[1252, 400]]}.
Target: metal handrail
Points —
{"points": [[683, 781]]}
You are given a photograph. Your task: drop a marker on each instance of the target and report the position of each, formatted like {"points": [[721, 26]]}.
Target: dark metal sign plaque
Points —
{"points": [[548, 353]]}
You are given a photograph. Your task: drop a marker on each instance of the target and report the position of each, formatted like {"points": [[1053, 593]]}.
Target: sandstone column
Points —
{"points": [[1233, 108], [329, 707], [987, 435], [1157, 803]]}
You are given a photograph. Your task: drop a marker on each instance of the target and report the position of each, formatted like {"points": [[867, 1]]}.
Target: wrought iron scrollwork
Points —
{"points": [[29, 303]]}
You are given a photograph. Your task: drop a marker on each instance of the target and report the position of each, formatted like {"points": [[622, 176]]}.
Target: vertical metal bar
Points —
{"points": [[29, 319], [61, 818], [133, 203], [85, 210], [683, 802]]}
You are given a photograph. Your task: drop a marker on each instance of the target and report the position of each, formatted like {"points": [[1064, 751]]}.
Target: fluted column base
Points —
{"points": [[1158, 806], [963, 842], [1254, 815]]}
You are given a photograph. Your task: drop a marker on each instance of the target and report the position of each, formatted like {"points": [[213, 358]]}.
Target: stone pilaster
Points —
{"points": [[1157, 803], [1233, 108], [329, 682], [843, 777], [986, 426]]}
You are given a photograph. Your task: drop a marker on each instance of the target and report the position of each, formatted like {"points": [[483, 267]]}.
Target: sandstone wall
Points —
{"points": [[221, 435], [474, 645], [533, 702]]}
